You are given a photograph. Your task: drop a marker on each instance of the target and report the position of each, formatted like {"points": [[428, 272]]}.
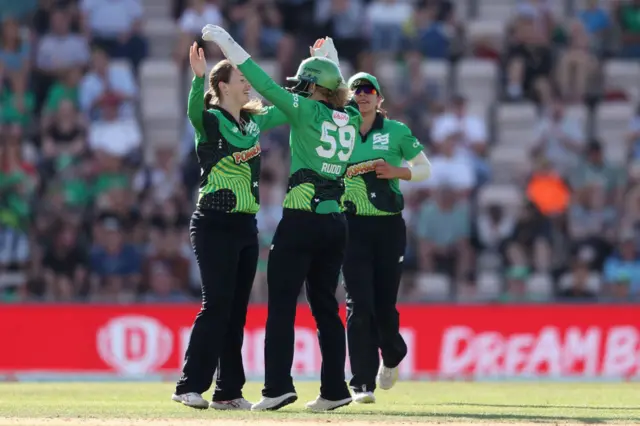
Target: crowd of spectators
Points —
{"points": [[86, 215]]}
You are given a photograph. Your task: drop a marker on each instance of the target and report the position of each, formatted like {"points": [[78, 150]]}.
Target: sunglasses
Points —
{"points": [[368, 90]]}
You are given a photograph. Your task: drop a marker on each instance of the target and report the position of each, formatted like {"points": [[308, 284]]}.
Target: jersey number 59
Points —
{"points": [[346, 136]]}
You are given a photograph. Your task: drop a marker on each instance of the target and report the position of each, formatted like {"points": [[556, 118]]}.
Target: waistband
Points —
{"points": [[381, 218], [301, 214]]}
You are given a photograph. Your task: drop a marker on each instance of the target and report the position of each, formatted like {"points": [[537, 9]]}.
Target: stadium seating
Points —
{"points": [[512, 125], [623, 76], [489, 284], [477, 79], [162, 112], [516, 125], [433, 286], [611, 126]]}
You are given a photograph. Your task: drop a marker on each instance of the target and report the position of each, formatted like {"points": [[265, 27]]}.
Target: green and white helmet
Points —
{"points": [[321, 71]]}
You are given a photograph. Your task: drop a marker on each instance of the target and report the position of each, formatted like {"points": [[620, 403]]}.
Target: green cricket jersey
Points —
{"points": [[366, 195], [228, 153], [322, 140]]}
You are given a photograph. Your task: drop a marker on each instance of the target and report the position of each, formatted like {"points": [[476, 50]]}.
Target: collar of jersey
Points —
{"points": [[378, 124], [243, 116]]}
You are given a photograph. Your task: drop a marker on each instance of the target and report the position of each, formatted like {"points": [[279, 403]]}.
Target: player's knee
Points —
{"points": [[215, 310], [386, 317], [326, 314], [361, 316], [359, 322]]}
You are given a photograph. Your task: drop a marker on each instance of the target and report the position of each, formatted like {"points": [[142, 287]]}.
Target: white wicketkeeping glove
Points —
{"points": [[232, 50], [325, 48]]}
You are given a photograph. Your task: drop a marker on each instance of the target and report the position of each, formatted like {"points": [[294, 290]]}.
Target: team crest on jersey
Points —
{"points": [[247, 154], [251, 128], [381, 141], [340, 118], [362, 168]]}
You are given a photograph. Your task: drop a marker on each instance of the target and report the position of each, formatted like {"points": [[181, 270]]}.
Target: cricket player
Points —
{"points": [[377, 239], [377, 234], [224, 234], [309, 242]]}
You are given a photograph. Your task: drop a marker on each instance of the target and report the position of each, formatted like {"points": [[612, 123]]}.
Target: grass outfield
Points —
{"points": [[149, 404]]}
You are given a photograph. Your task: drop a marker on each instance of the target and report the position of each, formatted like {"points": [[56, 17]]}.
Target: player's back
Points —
{"points": [[322, 135], [321, 142]]}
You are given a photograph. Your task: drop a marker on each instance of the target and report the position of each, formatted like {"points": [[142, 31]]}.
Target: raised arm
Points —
{"points": [[271, 117], [285, 101], [204, 122], [195, 106], [324, 47]]}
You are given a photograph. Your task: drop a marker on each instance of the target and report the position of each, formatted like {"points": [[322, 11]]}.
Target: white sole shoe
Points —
{"points": [[272, 404], [364, 398], [321, 404], [191, 399], [235, 404], [387, 377]]}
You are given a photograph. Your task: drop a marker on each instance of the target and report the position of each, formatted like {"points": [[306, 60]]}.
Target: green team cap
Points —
{"points": [[363, 78], [321, 71]]}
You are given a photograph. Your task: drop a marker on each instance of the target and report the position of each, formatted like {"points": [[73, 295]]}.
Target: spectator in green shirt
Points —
{"points": [[64, 89], [17, 181], [629, 22], [17, 104]]}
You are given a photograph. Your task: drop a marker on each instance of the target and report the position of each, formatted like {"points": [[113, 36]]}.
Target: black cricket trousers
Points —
{"points": [[306, 246], [226, 248], [372, 270]]}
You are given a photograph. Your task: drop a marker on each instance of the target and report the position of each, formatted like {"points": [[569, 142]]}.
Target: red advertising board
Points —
{"points": [[454, 341]]}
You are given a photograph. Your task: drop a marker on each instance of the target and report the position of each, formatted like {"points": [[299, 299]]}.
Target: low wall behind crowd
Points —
{"points": [[445, 341]]}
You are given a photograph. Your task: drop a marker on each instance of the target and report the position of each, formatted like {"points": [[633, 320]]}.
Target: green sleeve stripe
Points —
{"points": [[285, 101], [271, 117], [195, 107]]}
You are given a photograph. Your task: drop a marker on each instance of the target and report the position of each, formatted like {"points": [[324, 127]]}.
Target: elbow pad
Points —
{"points": [[420, 168]]}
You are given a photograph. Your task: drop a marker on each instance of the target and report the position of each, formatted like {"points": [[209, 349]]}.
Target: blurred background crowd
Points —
{"points": [[528, 110]]}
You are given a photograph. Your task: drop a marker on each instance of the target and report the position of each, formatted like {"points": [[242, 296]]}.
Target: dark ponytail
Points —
{"points": [[208, 97]]}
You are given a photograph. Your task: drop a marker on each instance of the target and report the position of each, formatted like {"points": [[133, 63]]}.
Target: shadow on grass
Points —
{"points": [[579, 407], [504, 417]]}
